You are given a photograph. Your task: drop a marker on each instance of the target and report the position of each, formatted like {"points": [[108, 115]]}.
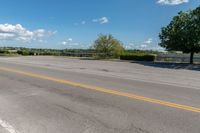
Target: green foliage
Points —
{"points": [[25, 52], [47, 52], [138, 57], [106, 46], [183, 33], [142, 51], [4, 52]]}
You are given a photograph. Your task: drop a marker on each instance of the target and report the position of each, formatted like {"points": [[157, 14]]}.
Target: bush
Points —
{"points": [[138, 57], [4, 51]]}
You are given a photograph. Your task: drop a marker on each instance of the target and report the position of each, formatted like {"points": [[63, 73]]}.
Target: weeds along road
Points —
{"points": [[65, 95]]}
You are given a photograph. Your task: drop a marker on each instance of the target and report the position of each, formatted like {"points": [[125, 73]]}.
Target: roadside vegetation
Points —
{"points": [[138, 57], [45, 52], [95, 51], [181, 36], [106, 46], [183, 33]]}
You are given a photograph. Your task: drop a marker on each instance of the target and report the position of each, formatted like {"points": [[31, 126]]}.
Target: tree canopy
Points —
{"points": [[107, 46], [183, 33]]}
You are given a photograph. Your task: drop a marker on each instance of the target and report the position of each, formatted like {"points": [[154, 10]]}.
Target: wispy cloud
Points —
{"points": [[102, 20], [80, 23], [67, 41], [17, 32], [71, 43], [64, 43], [172, 2], [148, 44], [148, 41]]}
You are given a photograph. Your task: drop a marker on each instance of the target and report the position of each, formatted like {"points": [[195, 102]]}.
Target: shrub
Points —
{"points": [[4, 51], [138, 57]]}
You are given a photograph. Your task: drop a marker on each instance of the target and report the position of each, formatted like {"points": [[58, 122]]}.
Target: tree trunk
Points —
{"points": [[191, 57]]}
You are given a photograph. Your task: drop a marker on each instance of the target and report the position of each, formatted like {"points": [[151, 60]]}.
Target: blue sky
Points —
{"points": [[76, 23]]}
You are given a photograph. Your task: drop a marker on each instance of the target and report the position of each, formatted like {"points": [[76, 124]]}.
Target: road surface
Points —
{"points": [[64, 95]]}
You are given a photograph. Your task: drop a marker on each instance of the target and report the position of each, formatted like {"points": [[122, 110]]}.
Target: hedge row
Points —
{"points": [[138, 57], [25, 53]]}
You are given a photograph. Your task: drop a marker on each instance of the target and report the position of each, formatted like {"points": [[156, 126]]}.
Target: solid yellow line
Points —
{"points": [[104, 90]]}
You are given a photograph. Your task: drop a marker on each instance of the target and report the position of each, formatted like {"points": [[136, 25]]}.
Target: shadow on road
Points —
{"points": [[186, 66], [167, 65]]}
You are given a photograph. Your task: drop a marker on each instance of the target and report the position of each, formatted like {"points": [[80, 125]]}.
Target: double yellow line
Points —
{"points": [[104, 90]]}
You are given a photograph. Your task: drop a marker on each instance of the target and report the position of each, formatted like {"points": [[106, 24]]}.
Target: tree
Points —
{"points": [[107, 46], [183, 33]]}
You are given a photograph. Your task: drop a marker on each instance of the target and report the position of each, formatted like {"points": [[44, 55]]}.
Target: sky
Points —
{"points": [[77, 23]]}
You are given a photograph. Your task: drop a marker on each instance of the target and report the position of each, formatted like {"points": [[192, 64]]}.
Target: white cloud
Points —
{"points": [[80, 23], [148, 41], [39, 33], [64, 43], [50, 33], [19, 33], [67, 41], [130, 46], [146, 44], [70, 39], [70, 43], [143, 46], [102, 20], [172, 2], [149, 44]]}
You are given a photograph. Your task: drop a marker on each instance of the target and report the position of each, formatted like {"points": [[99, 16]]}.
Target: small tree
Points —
{"points": [[108, 47], [183, 33]]}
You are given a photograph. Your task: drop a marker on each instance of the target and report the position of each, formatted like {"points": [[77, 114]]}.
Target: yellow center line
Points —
{"points": [[105, 90]]}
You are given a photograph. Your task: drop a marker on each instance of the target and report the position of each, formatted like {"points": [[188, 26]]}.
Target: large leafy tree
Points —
{"points": [[183, 33], [107, 46]]}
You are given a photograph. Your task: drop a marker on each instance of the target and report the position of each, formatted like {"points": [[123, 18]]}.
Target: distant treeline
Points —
{"points": [[53, 52], [60, 52]]}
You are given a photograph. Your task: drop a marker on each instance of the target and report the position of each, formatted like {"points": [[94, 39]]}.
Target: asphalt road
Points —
{"points": [[61, 95]]}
